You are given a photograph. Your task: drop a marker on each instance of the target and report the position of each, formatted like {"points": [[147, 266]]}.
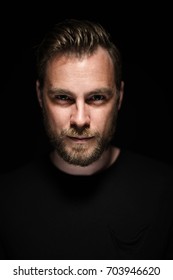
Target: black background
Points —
{"points": [[143, 35]]}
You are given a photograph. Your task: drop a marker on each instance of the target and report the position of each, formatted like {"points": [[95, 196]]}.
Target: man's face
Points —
{"points": [[80, 104]]}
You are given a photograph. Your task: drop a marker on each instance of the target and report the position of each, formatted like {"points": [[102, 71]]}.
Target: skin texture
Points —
{"points": [[80, 105]]}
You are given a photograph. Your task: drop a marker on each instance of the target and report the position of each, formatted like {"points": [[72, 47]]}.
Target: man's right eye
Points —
{"points": [[63, 99]]}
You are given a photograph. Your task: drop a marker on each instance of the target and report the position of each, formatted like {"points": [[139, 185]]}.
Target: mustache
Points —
{"points": [[78, 131]]}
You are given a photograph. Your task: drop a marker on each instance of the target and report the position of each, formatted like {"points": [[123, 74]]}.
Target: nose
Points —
{"points": [[80, 115]]}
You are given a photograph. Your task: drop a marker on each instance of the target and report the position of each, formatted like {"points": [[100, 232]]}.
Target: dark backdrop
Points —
{"points": [[143, 34]]}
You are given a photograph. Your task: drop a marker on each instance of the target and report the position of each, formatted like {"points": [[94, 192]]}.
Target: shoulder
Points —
{"points": [[23, 174], [144, 172], [144, 163]]}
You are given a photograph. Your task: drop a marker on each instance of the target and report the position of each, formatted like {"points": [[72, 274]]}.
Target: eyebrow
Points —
{"points": [[59, 91]]}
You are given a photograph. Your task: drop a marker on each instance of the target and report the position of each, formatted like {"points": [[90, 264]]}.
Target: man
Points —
{"points": [[87, 199]]}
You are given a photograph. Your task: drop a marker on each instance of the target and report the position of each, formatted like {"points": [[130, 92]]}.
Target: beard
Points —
{"points": [[80, 154]]}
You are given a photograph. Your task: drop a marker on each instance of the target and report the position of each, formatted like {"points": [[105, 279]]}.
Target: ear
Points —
{"points": [[121, 94], [39, 94]]}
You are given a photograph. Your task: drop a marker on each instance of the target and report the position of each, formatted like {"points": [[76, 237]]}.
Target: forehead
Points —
{"points": [[96, 67]]}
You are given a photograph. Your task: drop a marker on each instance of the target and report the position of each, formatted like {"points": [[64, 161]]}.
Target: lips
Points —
{"points": [[80, 138]]}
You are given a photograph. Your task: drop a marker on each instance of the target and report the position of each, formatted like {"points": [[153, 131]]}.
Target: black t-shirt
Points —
{"points": [[123, 212]]}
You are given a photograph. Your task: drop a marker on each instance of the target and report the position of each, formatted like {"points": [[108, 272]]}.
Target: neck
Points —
{"points": [[107, 159]]}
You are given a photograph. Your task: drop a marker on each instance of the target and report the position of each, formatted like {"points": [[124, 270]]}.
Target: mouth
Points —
{"points": [[80, 139]]}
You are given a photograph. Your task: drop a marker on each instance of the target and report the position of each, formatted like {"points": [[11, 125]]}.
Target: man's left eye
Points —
{"points": [[97, 98]]}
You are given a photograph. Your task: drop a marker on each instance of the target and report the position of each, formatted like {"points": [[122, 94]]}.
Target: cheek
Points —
{"points": [[108, 121], [56, 118], [101, 121]]}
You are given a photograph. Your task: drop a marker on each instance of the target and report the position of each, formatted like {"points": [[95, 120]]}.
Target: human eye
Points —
{"points": [[96, 99], [63, 99]]}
